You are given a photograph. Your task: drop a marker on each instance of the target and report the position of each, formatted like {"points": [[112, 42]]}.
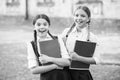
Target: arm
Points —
{"points": [[43, 69], [64, 61], [33, 62], [98, 50], [61, 61], [58, 61], [88, 60], [96, 57]]}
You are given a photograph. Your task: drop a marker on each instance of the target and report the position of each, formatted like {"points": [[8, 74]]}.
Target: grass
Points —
{"points": [[13, 65]]}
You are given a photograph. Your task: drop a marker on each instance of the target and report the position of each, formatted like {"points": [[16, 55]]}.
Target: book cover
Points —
{"points": [[83, 48], [50, 48]]}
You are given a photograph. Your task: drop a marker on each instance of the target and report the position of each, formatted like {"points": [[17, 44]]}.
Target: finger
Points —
{"points": [[41, 61], [44, 55], [40, 57], [71, 55]]}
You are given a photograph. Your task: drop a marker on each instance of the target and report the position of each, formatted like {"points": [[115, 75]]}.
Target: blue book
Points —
{"points": [[83, 48]]}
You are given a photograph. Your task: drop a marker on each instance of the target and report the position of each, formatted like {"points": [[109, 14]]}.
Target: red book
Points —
{"points": [[83, 48], [50, 48]]}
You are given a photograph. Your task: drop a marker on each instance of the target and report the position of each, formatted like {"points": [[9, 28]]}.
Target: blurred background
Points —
{"points": [[16, 29]]}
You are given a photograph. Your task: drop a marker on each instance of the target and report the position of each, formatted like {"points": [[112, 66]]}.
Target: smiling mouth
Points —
{"points": [[42, 31], [79, 21]]}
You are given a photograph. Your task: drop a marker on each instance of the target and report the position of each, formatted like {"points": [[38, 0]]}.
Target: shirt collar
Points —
{"points": [[82, 30], [48, 36]]}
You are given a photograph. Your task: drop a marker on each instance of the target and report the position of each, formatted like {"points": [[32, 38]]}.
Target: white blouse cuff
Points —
{"points": [[96, 60], [66, 56], [32, 63]]}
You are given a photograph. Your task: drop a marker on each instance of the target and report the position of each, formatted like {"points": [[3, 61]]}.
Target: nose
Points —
{"points": [[41, 26], [79, 17]]}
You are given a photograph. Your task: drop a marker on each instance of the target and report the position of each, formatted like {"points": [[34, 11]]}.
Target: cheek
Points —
{"points": [[46, 27], [36, 27], [86, 20], [75, 19]]}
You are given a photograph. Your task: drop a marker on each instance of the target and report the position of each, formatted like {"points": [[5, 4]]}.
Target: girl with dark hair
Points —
{"points": [[80, 31], [55, 71]]}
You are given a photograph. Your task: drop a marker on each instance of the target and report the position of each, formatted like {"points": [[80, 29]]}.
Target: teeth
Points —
{"points": [[79, 21], [42, 30]]}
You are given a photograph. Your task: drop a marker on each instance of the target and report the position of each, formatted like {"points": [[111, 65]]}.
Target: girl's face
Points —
{"points": [[80, 18], [42, 27]]}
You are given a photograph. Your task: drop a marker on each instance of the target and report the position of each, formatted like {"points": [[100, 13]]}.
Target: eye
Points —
{"points": [[45, 24], [76, 15], [82, 15], [38, 24]]}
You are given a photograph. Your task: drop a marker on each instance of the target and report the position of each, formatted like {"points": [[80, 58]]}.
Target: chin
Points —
{"points": [[80, 25], [42, 34]]}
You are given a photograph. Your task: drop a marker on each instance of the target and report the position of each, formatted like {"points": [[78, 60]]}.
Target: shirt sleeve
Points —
{"points": [[97, 55], [94, 38], [31, 57], [98, 49], [63, 49]]}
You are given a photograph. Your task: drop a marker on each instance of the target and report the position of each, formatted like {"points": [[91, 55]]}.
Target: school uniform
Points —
{"points": [[81, 74], [56, 74]]}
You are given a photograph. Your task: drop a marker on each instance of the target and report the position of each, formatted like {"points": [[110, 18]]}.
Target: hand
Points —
{"points": [[74, 55], [44, 59], [59, 67]]}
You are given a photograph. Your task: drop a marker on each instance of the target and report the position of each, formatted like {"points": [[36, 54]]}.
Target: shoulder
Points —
{"points": [[60, 40], [94, 38], [29, 43], [92, 35], [66, 30], [59, 37]]}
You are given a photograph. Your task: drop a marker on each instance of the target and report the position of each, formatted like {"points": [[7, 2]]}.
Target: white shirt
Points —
{"points": [[83, 36], [32, 59]]}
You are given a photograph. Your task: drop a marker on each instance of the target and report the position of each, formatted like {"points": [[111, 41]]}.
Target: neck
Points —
{"points": [[79, 28], [43, 36]]}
